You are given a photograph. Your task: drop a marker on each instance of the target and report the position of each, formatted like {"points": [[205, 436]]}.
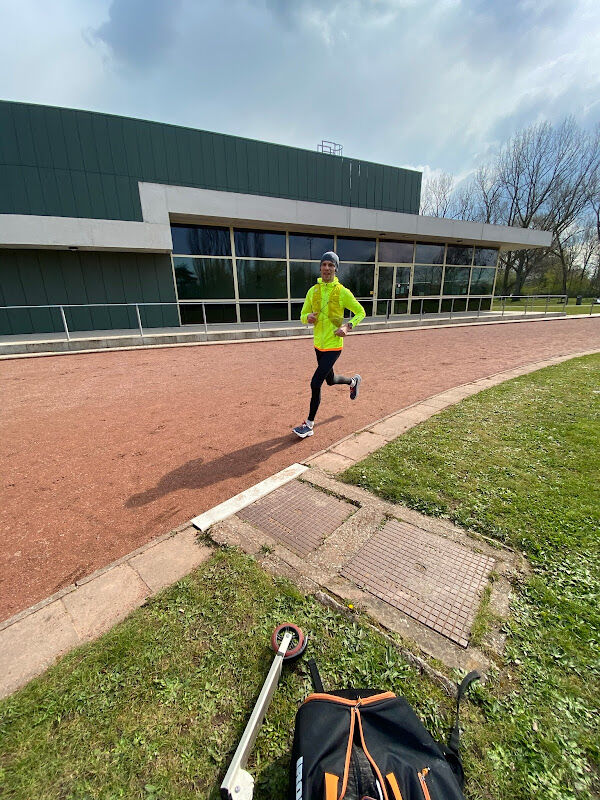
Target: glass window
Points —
{"points": [[385, 282], [266, 279], [485, 257], [309, 247], [456, 280], [429, 253], [192, 314], [303, 275], [396, 252], [427, 281], [359, 278], [259, 244], [402, 281], [204, 278], [425, 306], [200, 241], [269, 312], [356, 249], [482, 280], [456, 254]]}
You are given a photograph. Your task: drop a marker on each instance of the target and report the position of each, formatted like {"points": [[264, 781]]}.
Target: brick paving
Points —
{"points": [[298, 516], [434, 580]]}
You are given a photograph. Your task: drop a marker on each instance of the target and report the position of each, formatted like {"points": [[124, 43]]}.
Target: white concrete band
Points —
{"points": [[162, 203]]}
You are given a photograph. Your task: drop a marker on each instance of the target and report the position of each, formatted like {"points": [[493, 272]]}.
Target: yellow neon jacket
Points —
{"points": [[324, 336]]}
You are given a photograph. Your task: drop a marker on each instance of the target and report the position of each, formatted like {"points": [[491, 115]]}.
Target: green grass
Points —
{"points": [[538, 306], [155, 708], [521, 463]]}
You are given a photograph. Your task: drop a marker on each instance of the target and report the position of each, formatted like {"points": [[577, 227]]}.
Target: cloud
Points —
{"points": [[440, 83], [139, 32]]}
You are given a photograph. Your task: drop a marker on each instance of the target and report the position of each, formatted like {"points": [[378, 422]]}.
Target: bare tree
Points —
{"points": [[545, 177], [436, 195]]}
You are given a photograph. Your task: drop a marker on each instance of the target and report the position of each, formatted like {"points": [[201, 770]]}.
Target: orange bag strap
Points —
{"points": [[331, 786], [391, 779]]}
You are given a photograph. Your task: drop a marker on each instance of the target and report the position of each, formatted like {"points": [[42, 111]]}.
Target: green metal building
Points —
{"points": [[99, 212]]}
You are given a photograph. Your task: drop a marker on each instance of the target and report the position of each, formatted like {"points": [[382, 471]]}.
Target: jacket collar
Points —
{"points": [[331, 283]]}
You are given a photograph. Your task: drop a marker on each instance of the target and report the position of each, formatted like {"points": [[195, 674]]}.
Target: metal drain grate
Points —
{"points": [[431, 579], [298, 515]]}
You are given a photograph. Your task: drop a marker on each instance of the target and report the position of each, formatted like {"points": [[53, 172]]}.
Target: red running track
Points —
{"points": [[102, 452]]}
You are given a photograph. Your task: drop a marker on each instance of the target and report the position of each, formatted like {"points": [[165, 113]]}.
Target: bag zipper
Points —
{"points": [[424, 786], [354, 715]]}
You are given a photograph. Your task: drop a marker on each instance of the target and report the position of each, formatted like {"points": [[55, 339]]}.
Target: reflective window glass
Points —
{"points": [[199, 240], [264, 279], [358, 278], [482, 280], [424, 306], [402, 281], [457, 254], [203, 278], [385, 282], [215, 312], [356, 249], [259, 244], [456, 280], [309, 247], [303, 275], [485, 257], [429, 253], [427, 281], [396, 252], [269, 312]]}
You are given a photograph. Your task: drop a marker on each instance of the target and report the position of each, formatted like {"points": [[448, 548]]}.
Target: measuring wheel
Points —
{"points": [[297, 645]]}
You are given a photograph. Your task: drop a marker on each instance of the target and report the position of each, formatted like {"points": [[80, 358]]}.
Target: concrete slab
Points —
{"points": [[393, 426], [170, 560], [108, 599], [31, 645], [243, 499], [331, 462], [437, 403], [357, 447]]}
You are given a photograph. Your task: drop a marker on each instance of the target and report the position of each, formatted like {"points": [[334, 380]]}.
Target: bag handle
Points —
{"points": [[314, 676], [454, 740]]}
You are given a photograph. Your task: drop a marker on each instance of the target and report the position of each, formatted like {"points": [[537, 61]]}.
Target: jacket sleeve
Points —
{"points": [[307, 307], [351, 303]]}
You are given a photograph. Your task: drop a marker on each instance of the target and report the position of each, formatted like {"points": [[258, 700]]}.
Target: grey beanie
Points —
{"points": [[331, 256]]}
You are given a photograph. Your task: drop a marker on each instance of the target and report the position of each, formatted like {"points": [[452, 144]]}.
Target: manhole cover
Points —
{"points": [[297, 515], [431, 579]]}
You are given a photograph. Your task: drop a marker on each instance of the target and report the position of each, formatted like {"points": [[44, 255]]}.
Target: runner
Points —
{"points": [[324, 308]]}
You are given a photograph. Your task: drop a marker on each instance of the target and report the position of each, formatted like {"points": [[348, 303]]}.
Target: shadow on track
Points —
{"points": [[200, 473]]}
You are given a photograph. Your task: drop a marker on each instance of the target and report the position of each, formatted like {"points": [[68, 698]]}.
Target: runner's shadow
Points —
{"points": [[200, 473]]}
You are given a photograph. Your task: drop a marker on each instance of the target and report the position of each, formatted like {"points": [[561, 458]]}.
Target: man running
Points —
{"points": [[324, 308]]}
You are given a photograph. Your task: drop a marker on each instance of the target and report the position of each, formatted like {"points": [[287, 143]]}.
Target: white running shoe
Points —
{"points": [[303, 430]]}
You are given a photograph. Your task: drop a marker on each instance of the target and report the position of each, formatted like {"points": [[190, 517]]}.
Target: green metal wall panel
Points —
{"points": [[62, 162], [50, 277]]}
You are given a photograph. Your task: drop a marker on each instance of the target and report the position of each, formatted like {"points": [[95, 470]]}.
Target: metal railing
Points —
{"points": [[524, 303], [528, 305]]}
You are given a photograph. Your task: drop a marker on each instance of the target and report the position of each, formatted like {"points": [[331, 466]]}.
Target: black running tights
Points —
{"points": [[324, 372]]}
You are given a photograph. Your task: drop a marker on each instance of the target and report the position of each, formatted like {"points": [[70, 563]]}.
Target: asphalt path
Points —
{"points": [[102, 452]]}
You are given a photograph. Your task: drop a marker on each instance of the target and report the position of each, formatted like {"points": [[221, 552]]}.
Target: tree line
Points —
{"points": [[545, 177]]}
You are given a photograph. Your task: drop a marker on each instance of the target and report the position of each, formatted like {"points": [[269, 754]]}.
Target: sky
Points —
{"points": [[433, 85]]}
